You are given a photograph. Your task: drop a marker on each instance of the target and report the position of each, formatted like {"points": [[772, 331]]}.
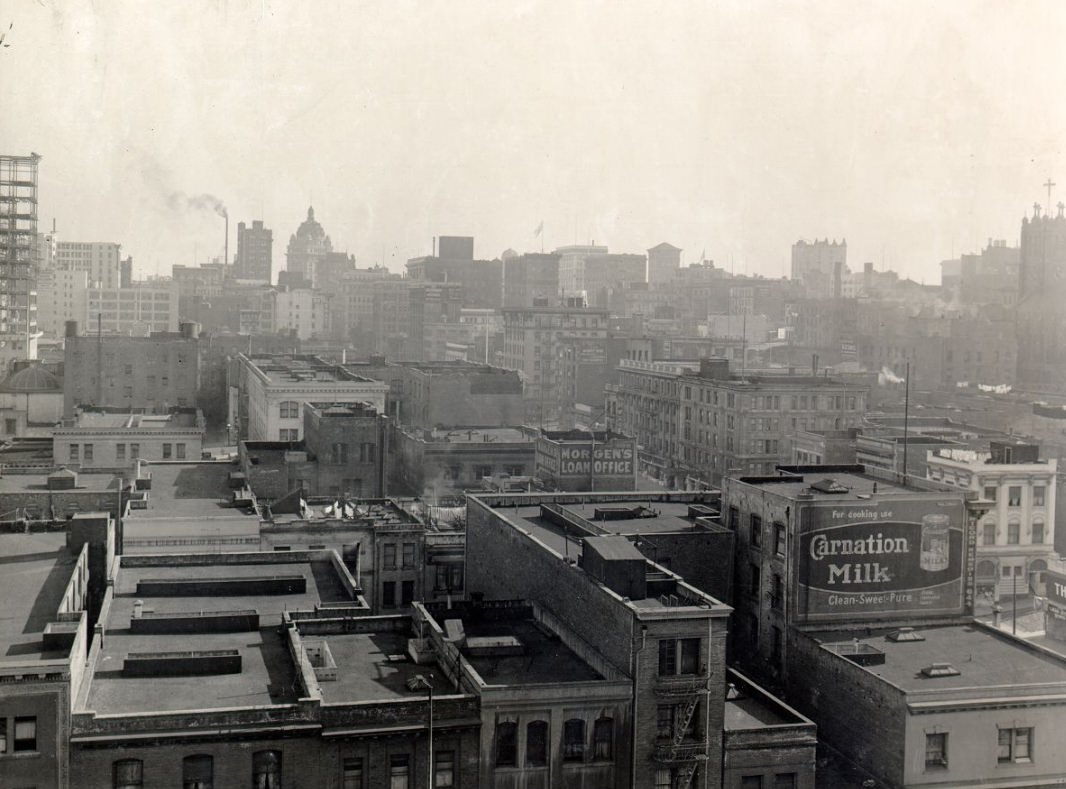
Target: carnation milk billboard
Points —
{"points": [[882, 558]]}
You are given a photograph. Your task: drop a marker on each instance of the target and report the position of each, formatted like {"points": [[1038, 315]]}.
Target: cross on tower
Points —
{"points": [[1049, 184]]}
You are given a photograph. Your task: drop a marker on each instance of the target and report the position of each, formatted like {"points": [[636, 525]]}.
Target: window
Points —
{"points": [[751, 782], [407, 592], [10, 426], [777, 593], [537, 744], [88, 453], [197, 772], [180, 451], [574, 740], [756, 531], [1014, 496], [167, 451], [135, 451], [127, 774], [990, 492], [1038, 531], [444, 769], [664, 778], [74, 453], [408, 555], [678, 656], [734, 518], [353, 773], [388, 594], [785, 781], [338, 453], [266, 770], [399, 771], [776, 644], [936, 750], [290, 409], [366, 453], [3, 735], [779, 539], [1015, 745], [120, 451], [988, 534], [603, 738], [506, 744], [25, 734], [288, 434], [1039, 494], [664, 720], [388, 556], [755, 576], [1014, 531]]}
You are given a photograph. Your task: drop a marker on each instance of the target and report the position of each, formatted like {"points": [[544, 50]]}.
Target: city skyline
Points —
{"points": [[733, 130]]}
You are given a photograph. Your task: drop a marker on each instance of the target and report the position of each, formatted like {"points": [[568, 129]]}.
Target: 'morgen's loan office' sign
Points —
{"points": [[883, 559]]}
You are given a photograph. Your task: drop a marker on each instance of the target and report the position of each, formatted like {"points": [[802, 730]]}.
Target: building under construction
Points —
{"points": [[18, 266]]}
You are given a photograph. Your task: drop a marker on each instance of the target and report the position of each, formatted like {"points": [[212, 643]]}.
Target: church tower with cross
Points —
{"points": [[1042, 292]]}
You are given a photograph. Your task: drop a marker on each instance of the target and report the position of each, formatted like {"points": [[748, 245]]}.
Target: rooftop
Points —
{"points": [[189, 490], [983, 657], [109, 420], [288, 369], [475, 435], [267, 674], [34, 571], [28, 483], [840, 483], [374, 666]]}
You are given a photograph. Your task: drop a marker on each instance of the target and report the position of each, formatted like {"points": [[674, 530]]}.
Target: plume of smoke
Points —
{"points": [[179, 201], [886, 376]]}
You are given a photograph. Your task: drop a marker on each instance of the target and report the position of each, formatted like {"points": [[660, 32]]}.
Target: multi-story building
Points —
{"points": [[481, 280], [267, 393], [95, 439], [255, 252], [1016, 537], [646, 405], [530, 279], [664, 261], [572, 267], [435, 306], [445, 462], [604, 277], [1042, 288], [154, 373], [18, 258], [990, 277], [352, 309], [638, 622], [533, 338], [586, 460], [823, 547], [302, 312], [62, 295], [101, 260], [820, 266], [139, 309], [307, 246]]}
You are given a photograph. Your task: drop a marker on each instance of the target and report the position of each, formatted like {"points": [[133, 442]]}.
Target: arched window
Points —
{"points": [[986, 569], [574, 740], [290, 409], [506, 744], [197, 772], [603, 738], [1014, 533], [266, 770], [128, 774], [537, 744]]}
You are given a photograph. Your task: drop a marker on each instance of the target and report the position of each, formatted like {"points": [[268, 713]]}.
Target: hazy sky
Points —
{"points": [[914, 129]]}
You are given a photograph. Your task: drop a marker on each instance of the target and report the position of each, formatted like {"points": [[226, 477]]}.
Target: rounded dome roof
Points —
{"points": [[309, 227], [31, 379]]}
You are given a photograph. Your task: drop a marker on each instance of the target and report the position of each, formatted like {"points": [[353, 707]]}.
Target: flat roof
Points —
{"points": [[286, 369], [365, 670], [983, 657], [101, 420], [190, 490], [856, 483], [671, 517], [474, 435], [34, 571], [29, 483], [748, 712], [267, 673]]}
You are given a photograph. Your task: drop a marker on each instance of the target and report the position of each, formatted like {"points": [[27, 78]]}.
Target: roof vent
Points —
{"points": [[829, 486], [940, 670], [905, 634]]}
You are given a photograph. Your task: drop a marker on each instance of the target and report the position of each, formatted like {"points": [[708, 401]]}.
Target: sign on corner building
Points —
{"points": [[882, 559]]}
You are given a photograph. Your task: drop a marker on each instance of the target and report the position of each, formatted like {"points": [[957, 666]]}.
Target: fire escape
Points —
{"points": [[683, 753]]}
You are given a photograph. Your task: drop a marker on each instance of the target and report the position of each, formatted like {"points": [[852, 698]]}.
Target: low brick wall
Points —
{"points": [[207, 587], [182, 664], [201, 622]]}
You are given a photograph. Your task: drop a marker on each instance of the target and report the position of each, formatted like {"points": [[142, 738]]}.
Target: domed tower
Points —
{"points": [[306, 247]]}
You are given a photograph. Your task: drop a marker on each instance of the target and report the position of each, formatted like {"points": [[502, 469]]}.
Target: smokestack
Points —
{"points": [[225, 260]]}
